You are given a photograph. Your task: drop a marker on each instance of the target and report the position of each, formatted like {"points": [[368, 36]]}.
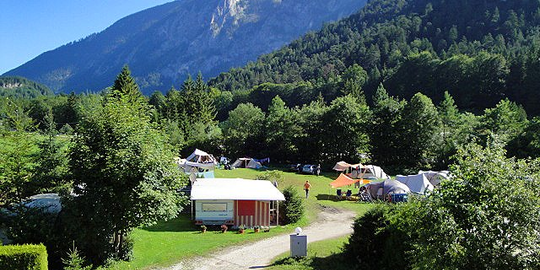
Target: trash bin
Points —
{"points": [[298, 245]]}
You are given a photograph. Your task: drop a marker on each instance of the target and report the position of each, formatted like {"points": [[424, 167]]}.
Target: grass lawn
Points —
{"points": [[169, 242]]}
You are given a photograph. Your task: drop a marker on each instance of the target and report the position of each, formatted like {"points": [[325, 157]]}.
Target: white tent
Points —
{"points": [[344, 166], [361, 171], [198, 164], [416, 183], [198, 159], [435, 177], [372, 171], [247, 163]]}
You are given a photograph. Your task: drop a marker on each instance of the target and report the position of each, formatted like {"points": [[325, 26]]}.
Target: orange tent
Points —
{"points": [[344, 180]]}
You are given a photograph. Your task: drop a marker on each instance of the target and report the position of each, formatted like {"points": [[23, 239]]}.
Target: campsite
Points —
{"points": [[305, 134], [160, 244], [323, 195]]}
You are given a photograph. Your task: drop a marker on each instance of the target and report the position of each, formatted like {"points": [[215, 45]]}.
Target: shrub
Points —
{"points": [[375, 242], [23, 257], [75, 261], [292, 209]]}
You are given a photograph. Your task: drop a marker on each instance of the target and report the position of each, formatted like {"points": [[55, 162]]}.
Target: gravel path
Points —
{"points": [[331, 223]]}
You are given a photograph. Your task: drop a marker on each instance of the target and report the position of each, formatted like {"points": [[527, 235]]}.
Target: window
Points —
{"points": [[214, 207]]}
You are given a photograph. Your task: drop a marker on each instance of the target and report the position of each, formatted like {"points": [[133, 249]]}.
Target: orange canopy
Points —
{"points": [[344, 180]]}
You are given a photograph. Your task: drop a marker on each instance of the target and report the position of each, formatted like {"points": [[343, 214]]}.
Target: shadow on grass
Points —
{"points": [[180, 224], [335, 261], [327, 197]]}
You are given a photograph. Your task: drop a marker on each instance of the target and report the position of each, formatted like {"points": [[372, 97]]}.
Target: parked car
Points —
{"points": [[295, 168], [311, 169]]}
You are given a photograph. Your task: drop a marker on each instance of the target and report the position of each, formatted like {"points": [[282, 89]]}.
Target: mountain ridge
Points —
{"points": [[165, 43]]}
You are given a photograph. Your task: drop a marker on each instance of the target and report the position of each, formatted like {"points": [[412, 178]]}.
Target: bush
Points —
{"points": [[24, 257], [75, 261], [375, 242], [292, 207]]}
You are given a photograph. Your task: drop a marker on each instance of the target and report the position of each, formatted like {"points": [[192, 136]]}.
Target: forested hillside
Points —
{"points": [[13, 86], [480, 51]]}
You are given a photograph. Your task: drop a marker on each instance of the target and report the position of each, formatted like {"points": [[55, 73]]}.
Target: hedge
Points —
{"points": [[23, 257]]}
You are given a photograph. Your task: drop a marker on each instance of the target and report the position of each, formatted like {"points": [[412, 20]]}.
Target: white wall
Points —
{"points": [[209, 210]]}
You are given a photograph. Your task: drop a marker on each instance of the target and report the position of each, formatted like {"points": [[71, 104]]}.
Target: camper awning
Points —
{"points": [[235, 189], [344, 180]]}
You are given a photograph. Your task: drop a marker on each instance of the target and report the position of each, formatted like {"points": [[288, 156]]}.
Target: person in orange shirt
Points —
{"points": [[307, 186]]}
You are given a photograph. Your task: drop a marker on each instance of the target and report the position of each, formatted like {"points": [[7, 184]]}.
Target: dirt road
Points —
{"points": [[331, 223]]}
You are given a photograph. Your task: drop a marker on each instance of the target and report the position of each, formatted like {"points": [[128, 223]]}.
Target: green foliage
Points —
{"points": [[471, 221], [19, 87], [52, 160], [375, 242], [192, 110], [125, 87], [292, 209], [354, 78], [420, 129], [273, 175], [345, 129], [282, 129], [385, 129], [486, 51], [17, 163], [123, 173], [75, 261], [485, 217], [243, 130], [527, 144], [311, 138], [504, 122], [24, 257]]}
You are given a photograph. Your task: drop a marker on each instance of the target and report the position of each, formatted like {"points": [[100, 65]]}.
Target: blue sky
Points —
{"points": [[31, 27]]}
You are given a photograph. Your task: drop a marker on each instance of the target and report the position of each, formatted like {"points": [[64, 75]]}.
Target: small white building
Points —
{"points": [[216, 201]]}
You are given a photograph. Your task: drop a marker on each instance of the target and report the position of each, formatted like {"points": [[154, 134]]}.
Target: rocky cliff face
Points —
{"points": [[164, 44]]}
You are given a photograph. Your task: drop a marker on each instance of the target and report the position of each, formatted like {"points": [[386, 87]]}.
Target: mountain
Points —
{"points": [[480, 51], [162, 45], [13, 86]]}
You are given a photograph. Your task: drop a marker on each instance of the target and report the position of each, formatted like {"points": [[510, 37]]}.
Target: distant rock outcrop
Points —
{"points": [[165, 43]]}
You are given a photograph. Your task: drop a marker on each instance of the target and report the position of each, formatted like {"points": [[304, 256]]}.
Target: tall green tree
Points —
{"points": [[420, 130], [125, 87], [281, 131], [346, 127], [310, 140], [384, 129], [17, 154], [123, 173], [354, 79], [504, 122], [51, 170], [243, 131], [450, 125]]}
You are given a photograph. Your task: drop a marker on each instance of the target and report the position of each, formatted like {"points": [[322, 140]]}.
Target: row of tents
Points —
{"points": [[379, 185], [201, 164]]}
